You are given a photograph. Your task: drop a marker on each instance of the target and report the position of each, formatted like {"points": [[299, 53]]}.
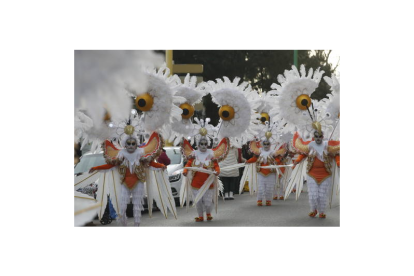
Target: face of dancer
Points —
{"points": [[318, 138], [131, 145], [266, 145], [202, 146]]}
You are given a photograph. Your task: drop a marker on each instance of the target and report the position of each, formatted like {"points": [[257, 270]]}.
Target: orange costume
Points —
{"points": [[319, 170], [199, 177], [130, 180], [263, 161], [266, 177], [203, 186], [125, 173]]}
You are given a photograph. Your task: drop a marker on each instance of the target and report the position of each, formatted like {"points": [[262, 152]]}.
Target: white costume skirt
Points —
{"points": [[265, 186], [205, 204], [137, 199], [318, 194]]}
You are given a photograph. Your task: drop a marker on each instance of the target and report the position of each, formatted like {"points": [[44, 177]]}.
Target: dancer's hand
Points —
{"points": [[92, 170]]}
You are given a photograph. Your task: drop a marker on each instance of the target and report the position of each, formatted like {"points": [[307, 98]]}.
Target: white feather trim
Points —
{"points": [[162, 88], [230, 93]]}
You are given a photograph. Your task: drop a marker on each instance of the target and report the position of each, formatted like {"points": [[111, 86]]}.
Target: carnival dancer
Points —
{"points": [[131, 166], [266, 177], [302, 114], [203, 158], [319, 170]]}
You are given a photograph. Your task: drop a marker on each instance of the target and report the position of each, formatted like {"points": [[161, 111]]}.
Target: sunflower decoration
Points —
{"points": [[262, 104], [132, 126], [235, 109], [294, 104], [158, 102], [203, 128], [192, 93]]}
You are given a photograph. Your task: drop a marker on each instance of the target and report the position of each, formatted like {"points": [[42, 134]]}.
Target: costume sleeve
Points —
{"points": [[189, 163], [300, 158], [252, 160], [216, 167], [103, 167], [156, 165], [337, 160]]}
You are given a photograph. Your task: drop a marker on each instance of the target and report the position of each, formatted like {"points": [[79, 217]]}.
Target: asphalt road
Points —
{"points": [[243, 212]]}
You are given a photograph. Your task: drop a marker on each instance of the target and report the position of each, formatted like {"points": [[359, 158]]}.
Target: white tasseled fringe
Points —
{"points": [[279, 187], [318, 194], [265, 186], [206, 202], [137, 199]]}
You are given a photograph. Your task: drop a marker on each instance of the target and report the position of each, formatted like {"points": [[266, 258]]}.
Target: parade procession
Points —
{"points": [[150, 148]]}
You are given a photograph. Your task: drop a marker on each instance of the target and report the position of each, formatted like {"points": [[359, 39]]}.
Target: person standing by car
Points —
{"points": [[230, 178]]}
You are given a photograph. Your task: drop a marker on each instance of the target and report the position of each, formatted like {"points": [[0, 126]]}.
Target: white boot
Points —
{"points": [[231, 195], [226, 195]]}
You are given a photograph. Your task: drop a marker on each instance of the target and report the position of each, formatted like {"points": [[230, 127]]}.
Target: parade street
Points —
{"points": [[242, 211]]}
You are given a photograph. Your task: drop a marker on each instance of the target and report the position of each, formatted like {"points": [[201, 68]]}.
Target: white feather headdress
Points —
{"points": [[184, 128], [161, 89], [293, 100], [332, 105], [87, 132], [236, 112], [101, 77]]}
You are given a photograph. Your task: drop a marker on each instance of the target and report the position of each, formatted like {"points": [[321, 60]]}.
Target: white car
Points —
{"points": [[175, 170]]}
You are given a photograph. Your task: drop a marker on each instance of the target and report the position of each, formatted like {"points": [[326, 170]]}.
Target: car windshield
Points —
{"points": [[174, 155], [89, 161]]}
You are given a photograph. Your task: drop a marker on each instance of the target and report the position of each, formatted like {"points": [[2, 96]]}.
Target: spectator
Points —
{"points": [[230, 178], [164, 159]]}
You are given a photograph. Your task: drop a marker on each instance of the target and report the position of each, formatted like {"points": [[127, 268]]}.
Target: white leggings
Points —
{"points": [[318, 194], [265, 186], [137, 198], [205, 203]]}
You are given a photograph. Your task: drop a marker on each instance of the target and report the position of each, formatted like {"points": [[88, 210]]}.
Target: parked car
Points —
{"points": [[88, 161], [175, 170]]}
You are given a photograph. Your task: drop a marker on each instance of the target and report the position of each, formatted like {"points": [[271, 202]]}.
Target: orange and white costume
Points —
{"points": [[202, 185], [203, 160], [266, 178], [125, 174], [320, 169]]}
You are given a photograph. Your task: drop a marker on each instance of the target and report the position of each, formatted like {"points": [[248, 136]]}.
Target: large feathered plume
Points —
{"points": [[101, 78], [293, 86], [332, 105], [236, 112], [161, 88], [184, 128], [86, 132], [262, 104]]}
